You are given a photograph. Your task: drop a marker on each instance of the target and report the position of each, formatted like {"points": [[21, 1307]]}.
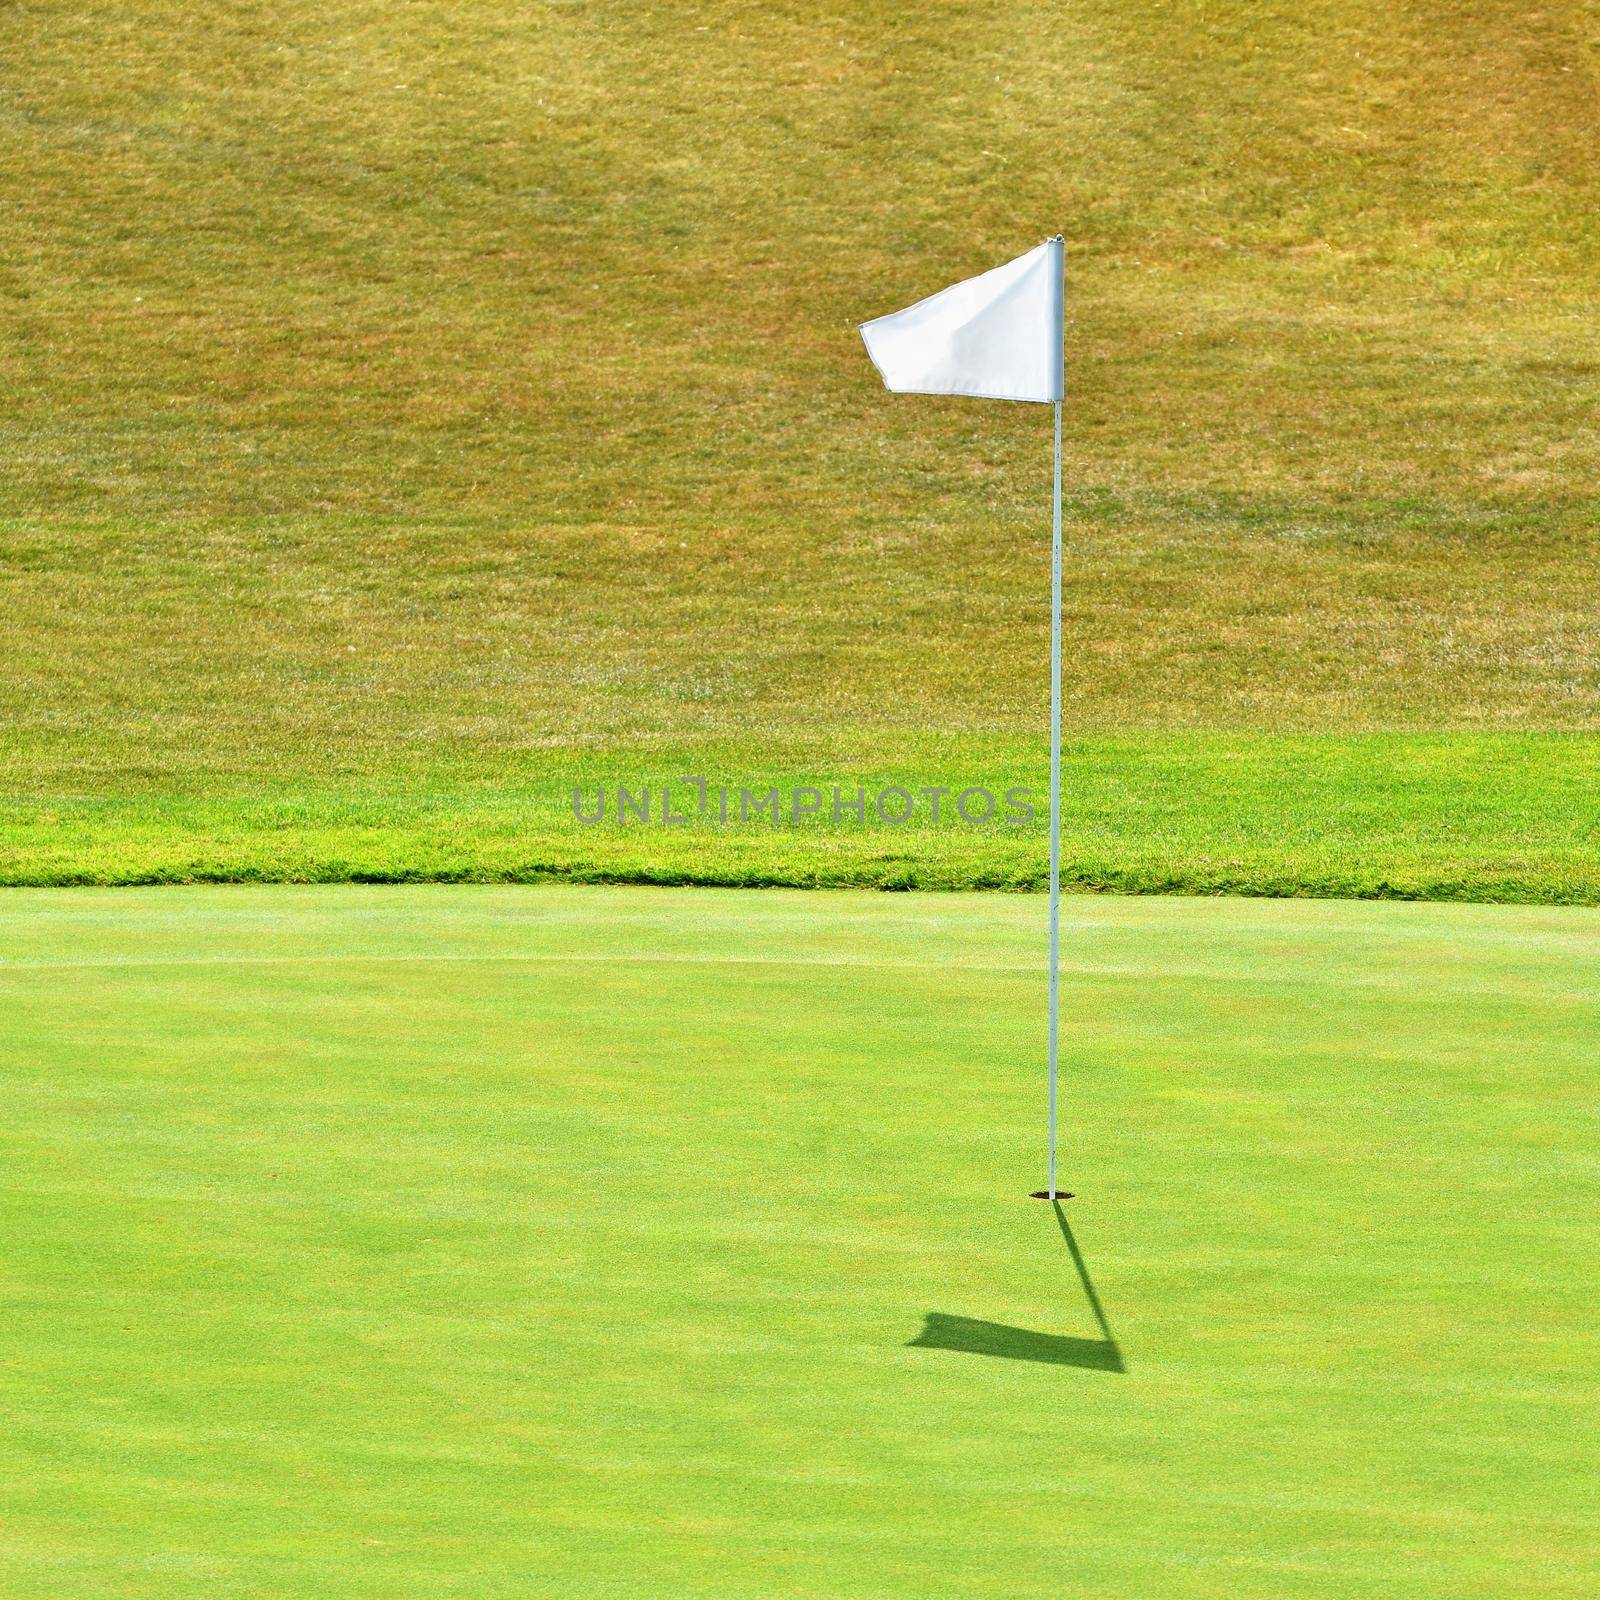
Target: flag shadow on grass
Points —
{"points": [[978, 1338]]}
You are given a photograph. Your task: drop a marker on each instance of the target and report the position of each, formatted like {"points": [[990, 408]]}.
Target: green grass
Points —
{"points": [[407, 405], [1481, 817], [377, 1242]]}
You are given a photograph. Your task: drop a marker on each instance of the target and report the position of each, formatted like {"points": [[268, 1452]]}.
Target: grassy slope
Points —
{"points": [[497, 1242], [410, 409]]}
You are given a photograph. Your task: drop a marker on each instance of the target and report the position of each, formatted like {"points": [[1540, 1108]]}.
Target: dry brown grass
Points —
{"points": [[431, 390]]}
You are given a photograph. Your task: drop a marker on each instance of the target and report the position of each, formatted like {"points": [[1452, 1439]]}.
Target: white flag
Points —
{"points": [[997, 335]]}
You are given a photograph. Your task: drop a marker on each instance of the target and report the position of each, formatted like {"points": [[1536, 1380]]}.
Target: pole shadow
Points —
{"points": [[978, 1338]]}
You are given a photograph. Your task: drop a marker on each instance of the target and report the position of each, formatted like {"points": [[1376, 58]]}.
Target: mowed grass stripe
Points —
{"points": [[1499, 818], [1087, 968]]}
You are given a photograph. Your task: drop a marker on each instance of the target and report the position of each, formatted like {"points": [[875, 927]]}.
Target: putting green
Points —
{"points": [[585, 1242]]}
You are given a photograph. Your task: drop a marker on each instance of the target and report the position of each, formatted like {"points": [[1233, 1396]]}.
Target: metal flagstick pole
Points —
{"points": [[1055, 794], [1055, 717]]}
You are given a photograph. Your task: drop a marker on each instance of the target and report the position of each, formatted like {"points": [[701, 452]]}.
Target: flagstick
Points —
{"points": [[1058, 277], [977, 338], [1055, 792]]}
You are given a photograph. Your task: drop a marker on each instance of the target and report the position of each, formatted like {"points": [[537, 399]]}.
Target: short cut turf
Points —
{"points": [[497, 1242]]}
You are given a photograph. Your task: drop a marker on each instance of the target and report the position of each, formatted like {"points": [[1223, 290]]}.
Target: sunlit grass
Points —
{"points": [[479, 1242], [436, 396]]}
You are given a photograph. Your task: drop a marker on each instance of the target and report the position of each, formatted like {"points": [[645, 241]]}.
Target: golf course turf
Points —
{"points": [[555, 1241], [425, 420]]}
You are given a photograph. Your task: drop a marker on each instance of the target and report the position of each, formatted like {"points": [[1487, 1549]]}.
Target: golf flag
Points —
{"points": [[997, 336], [1000, 336]]}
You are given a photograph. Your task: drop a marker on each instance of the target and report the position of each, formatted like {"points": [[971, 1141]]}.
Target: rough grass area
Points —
{"points": [[487, 1243], [404, 402]]}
